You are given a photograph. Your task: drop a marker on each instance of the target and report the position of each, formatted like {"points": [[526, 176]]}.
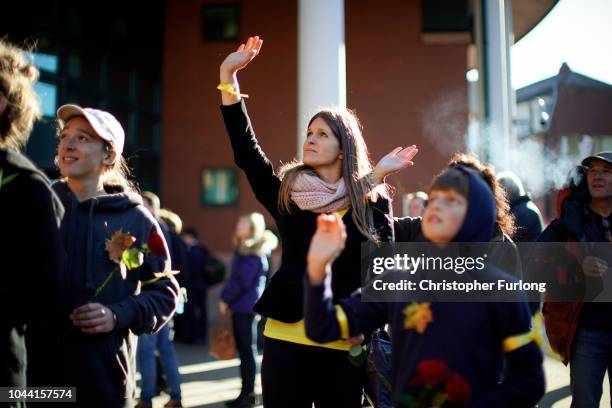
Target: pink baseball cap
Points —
{"points": [[105, 124]]}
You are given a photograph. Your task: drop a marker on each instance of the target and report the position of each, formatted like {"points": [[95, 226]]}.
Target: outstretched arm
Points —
{"points": [[248, 155]]}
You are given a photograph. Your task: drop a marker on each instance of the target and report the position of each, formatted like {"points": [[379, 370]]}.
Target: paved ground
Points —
{"points": [[208, 383]]}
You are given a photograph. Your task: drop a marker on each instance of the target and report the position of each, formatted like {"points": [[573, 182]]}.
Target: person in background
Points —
{"points": [[581, 332], [529, 222], [415, 204], [196, 311], [149, 364], [245, 284], [31, 249], [180, 263], [152, 203]]}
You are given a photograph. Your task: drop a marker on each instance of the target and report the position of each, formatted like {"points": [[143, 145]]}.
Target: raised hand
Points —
{"points": [[242, 56], [398, 159], [326, 244]]}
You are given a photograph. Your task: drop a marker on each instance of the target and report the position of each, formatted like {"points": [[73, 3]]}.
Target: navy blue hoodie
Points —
{"points": [[468, 337], [102, 366]]}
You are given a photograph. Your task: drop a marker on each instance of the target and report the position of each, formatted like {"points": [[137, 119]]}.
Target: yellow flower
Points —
{"points": [[418, 316]]}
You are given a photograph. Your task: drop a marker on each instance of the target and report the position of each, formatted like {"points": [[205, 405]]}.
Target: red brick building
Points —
{"points": [[403, 90]]}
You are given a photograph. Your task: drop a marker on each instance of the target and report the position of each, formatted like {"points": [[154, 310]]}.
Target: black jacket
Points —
{"points": [[283, 297], [529, 222], [31, 253]]}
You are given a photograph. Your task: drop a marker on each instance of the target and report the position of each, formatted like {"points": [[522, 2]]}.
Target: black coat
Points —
{"points": [[283, 297], [32, 255], [529, 222]]}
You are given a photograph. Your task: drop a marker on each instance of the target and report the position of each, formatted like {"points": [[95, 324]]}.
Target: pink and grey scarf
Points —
{"points": [[310, 193]]}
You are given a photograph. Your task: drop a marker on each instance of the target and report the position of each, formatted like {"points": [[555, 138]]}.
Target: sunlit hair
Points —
{"points": [[117, 174], [17, 77], [153, 200], [172, 220], [512, 184], [505, 220], [421, 195], [260, 241], [356, 165]]}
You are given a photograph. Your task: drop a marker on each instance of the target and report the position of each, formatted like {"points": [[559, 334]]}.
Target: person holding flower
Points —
{"points": [[445, 354], [118, 281], [334, 175]]}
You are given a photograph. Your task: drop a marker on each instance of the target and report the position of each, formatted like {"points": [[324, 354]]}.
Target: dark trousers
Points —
{"points": [[243, 335], [297, 376], [591, 357], [196, 317]]}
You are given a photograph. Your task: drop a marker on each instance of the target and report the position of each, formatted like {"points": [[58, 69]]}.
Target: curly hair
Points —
{"points": [[505, 219], [17, 77]]}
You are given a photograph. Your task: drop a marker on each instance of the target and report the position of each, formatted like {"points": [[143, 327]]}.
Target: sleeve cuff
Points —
{"points": [[125, 314]]}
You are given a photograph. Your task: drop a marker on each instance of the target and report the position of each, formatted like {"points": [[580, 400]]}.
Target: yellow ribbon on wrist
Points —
{"points": [[515, 342], [230, 89]]}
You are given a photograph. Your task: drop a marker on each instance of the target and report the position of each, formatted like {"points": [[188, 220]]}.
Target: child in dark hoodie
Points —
{"points": [[97, 343], [462, 344]]}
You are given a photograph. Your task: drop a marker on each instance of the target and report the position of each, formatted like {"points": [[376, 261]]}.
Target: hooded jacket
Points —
{"points": [[247, 277], [468, 337], [574, 223], [31, 252], [503, 251], [102, 366], [529, 224]]}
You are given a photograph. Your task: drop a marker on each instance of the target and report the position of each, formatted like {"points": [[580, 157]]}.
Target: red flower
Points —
{"points": [[457, 390], [155, 243], [431, 372]]}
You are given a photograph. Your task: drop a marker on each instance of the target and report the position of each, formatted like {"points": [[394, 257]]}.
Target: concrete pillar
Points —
{"points": [[497, 41], [321, 60]]}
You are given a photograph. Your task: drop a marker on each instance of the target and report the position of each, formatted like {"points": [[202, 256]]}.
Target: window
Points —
{"points": [[445, 22], [219, 187], [220, 22], [45, 62], [48, 98]]}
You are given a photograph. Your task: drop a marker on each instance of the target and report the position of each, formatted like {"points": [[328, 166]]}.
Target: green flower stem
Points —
{"points": [[103, 285], [96, 293]]}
